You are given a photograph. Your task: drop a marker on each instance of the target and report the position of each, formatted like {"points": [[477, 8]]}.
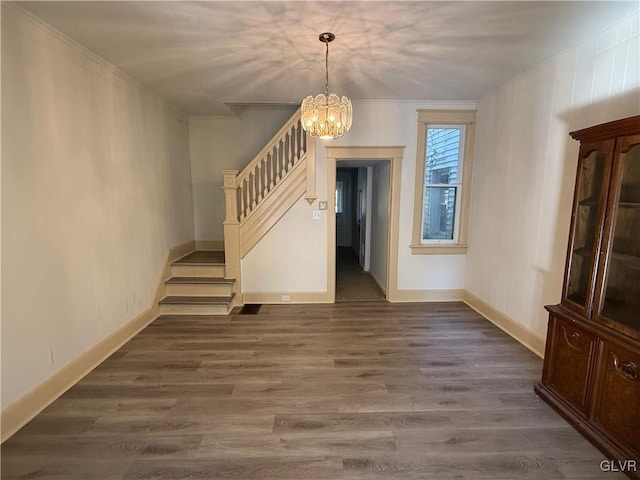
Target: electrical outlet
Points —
{"points": [[317, 215], [322, 205], [285, 298]]}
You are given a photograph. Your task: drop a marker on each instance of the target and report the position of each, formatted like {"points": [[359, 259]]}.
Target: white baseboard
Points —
{"points": [[294, 297], [20, 412], [506, 324], [434, 295]]}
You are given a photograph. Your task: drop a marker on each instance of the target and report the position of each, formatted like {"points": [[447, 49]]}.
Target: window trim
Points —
{"points": [[440, 118], [462, 128]]}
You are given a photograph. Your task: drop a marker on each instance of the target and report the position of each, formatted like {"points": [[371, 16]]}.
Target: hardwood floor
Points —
{"points": [[345, 391], [352, 283]]}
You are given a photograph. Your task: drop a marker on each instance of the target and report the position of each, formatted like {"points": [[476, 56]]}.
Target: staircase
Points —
{"points": [[209, 283], [258, 196], [197, 286]]}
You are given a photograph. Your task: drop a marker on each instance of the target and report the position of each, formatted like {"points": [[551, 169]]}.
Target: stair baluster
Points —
{"points": [[260, 170], [283, 157], [293, 148], [254, 190], [304, 139], [243, 199]]}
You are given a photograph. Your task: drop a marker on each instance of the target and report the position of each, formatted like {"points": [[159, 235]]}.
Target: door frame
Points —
{"points": [[394, 155]]}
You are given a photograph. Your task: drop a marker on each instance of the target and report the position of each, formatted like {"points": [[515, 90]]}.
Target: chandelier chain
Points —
{"points": [[326, 69]]}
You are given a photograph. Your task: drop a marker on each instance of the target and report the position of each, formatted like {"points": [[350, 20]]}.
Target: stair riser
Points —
{"points": [[197, 271], [194, 309], [199, 289]]}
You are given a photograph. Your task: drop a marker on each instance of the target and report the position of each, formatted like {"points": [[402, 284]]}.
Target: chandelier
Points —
{"points": [[326, 116]]}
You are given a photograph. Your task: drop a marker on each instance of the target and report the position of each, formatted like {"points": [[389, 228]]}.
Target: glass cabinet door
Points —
{"points": [[620, 301], [588, 211]]}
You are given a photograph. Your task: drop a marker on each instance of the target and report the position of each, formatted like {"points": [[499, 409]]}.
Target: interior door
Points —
{"points": [[344, 207], [362, 214]]}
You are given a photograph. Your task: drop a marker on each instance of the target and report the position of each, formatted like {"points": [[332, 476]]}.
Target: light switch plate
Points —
{"points": [[322, 204], [317, 215]]}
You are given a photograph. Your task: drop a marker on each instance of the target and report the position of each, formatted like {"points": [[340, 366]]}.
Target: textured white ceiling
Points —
{"points": [[200, 55]]}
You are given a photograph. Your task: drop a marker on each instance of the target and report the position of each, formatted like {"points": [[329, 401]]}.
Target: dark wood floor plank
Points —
{"points": [[364, 390], [165, 391], [344, 422], [491, 440], [298, 444], [310, 468], [254, 406], [436, 467], [302, 389], [181, 425], [96, 407], [66, 467], [102, 446]]}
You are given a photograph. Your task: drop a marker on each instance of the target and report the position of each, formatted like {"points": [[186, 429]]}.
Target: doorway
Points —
{"points": [[380, 255], [361, 207]]}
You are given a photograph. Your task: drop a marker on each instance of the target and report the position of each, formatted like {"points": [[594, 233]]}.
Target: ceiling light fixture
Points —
{"points": [[326, 116]]}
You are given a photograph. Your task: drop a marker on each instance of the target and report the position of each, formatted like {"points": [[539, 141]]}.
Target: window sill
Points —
{"points": [[438, 249]]}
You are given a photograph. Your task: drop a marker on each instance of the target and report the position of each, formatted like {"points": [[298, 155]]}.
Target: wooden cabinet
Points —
{"points": [[572, 357], [592, 360], [617, 399]]}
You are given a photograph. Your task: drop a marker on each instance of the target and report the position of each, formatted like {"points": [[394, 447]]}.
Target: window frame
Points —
{"points": [[457, 186], [444, 118]]}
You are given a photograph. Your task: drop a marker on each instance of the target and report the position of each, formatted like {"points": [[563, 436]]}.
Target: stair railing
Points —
{"points": [[245, 190]]}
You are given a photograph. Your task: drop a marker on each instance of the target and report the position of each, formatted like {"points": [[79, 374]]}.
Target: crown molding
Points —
{"points": [[423, 104], [18, 19]]}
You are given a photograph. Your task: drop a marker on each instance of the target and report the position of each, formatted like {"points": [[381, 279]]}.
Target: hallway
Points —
{"points": [[352, 283]]}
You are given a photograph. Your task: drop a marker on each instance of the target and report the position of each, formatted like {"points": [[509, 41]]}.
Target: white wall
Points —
{"points": [[0, 186], [95, 191], [380, 223], [213, 148], [525, 165], [375, 123], [226, 143], [291, 257], [381, 123]]}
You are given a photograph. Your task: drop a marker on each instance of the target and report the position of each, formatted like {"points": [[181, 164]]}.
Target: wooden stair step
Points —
{"points": [[212, 280], [198, 264], [209, 270], [201, 258], [185, 300]]}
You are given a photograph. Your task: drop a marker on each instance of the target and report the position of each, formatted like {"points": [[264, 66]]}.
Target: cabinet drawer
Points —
{"points": [[570, 361], [617, 403]]}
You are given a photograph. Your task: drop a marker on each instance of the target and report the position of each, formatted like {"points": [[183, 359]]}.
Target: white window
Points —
{"points": [[442, 183]]}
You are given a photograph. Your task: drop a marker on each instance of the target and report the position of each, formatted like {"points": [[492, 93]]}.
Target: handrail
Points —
{"points": [[270, 165]]}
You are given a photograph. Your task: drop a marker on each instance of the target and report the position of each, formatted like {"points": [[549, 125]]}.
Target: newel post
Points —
{"points": [[232, 232], [310, 194]]}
